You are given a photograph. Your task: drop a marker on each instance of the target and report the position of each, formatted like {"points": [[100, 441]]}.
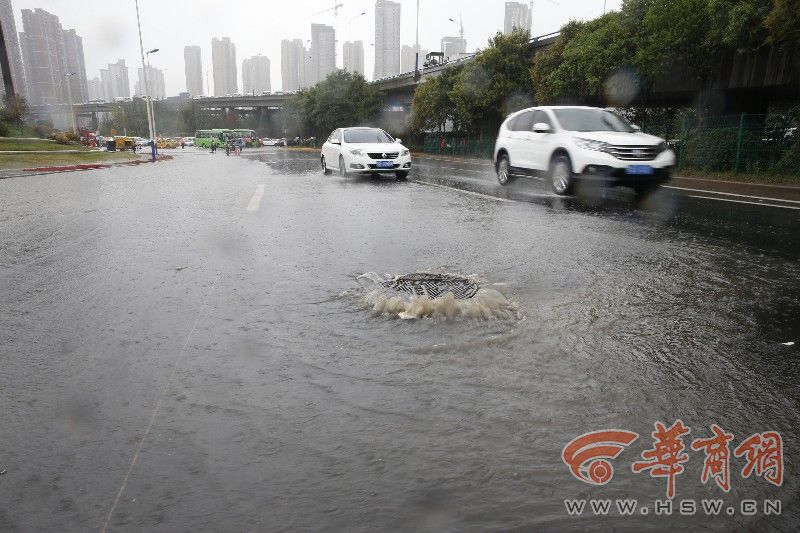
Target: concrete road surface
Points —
{"points": [[184, 347]]}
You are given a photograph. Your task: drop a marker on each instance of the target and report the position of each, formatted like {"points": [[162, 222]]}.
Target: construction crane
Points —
{"points": [[335, 10]]}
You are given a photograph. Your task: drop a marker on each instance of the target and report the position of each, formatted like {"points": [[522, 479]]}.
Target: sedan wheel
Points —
{"points": [[342, 168], [503, 170], [325, 169], [561, 174]]}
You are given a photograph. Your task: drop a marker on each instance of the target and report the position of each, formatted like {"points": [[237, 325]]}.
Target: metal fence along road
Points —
{"points": [[743, 143]]}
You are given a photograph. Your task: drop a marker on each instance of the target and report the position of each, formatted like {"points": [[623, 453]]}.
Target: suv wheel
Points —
{"points": [[401, 175], [503, 169], [561, 174]]}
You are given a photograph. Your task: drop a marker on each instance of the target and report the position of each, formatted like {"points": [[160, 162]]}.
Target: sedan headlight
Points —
{"points": [[590, 144], [405, 152], [357, 151]]}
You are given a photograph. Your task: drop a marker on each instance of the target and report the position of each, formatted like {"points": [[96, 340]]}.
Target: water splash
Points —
{"points": [[488, 302]]}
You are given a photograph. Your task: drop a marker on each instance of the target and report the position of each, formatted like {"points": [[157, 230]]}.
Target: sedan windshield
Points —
{"points": [[591, 120], [367, 135]]}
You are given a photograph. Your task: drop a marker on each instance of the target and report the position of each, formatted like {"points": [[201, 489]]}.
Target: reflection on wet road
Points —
{"points": [[206, 299]]}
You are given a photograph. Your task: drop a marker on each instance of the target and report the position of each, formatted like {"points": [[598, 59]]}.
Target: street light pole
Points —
{"points": [[416, 55], [147, 96], [71, 104], [147, 90], [349, 22]]}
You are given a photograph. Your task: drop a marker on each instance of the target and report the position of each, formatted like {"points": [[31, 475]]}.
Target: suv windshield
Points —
{"points": [[591, 120], [367, 135]]}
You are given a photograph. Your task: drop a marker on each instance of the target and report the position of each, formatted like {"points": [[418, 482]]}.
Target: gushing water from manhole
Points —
{"points": [[426, 294]]}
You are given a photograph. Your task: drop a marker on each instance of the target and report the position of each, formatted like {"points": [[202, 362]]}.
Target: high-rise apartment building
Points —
{"points": [[223, 58], [193, 66], [454, 47], [12, 48], [116, 83], [155, 78], [353, 57], [307, 74], [408, 58], [323, 52], [387, 38], [51, 55], [95, 88], [255, 75], [518, 15], [76, 66], [292, 52]]}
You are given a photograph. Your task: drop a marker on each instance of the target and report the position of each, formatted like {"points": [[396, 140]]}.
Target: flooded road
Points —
{"points": [[185, 347]]}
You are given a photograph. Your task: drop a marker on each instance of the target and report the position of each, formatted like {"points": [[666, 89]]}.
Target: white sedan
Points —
{"points": [[364, 151]]}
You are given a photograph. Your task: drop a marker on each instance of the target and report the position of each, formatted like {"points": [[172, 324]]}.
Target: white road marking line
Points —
{"points": [[760, 204], [255, 201], [472, 193], [157, 407], [732, 194]]}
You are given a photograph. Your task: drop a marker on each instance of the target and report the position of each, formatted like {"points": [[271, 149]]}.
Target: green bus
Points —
{"points": [[249, 136], [205, 138], [219, 136]]}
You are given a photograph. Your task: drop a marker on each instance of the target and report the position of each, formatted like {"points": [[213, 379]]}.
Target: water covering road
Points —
{"points": [[184, 348]]}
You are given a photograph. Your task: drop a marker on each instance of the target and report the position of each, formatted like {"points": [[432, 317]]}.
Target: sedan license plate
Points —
{"points": [[385, 164], [639, 170]]}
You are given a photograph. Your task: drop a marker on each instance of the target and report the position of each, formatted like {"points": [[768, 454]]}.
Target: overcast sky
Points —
{"points": [[256, 27]]}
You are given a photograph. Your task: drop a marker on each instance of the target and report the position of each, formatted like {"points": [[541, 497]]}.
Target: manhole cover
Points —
{"points": [[433, 285]]}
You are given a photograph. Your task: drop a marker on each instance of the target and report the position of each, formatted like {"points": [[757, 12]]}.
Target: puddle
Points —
{"points": [[434, 295]]}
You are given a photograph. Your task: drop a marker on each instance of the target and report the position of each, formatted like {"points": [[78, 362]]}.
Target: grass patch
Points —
{"points": [[12, 161], [35, 144], [776, 179]]}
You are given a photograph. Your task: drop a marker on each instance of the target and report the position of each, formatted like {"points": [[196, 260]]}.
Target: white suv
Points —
{"points": [[568, 143]]}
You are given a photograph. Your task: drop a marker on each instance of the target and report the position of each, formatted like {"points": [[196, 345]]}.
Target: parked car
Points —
{"points": [[566, 144], [364, 151], [269, 142]]}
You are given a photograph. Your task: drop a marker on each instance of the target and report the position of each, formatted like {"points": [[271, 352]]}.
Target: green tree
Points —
{"points": [[432, 106], [494, 84], [127, 116], [783, 22], [16, 110], [549, 88], [341, 99]]}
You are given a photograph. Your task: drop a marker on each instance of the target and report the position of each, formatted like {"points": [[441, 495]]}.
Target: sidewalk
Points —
{"points": [[788, 192]]}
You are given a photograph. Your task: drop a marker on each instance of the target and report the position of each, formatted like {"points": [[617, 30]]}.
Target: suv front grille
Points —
{"points": [[635, 153], [383, 155]]}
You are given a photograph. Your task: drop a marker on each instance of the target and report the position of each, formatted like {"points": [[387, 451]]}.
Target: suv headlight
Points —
{"points": [[590, 144], [357, 151], [404, 152]]}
